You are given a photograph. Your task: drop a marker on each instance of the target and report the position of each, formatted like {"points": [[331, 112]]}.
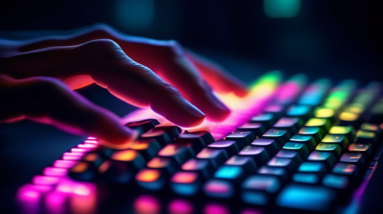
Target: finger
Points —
{"points": [[108, 66], [49, 101], [217, 76]]}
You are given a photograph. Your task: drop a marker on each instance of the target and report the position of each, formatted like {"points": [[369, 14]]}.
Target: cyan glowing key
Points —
{"points": [[309, 178], [345, 169], [257, 189], [185, 183], [293, 146], [297, 110], [228, 172], [262, 117], [309, 130], [335, 181], [279, 162], [329, 147], [310, 167]]}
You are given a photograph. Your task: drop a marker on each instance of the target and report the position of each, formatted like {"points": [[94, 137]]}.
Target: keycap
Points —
{"points": [[316, 168], [186, 183], [45, 180], [142, 126], [218, 188], [203, 167], [71, 156], [216, 156], [289, 90], [230, 146], [159, 135], [354, 158], [294, 155], [323, 124], [259, 154], [103, 151], [348, 131], [279, 172], [335, 149], [94, 159], [339, 139], [82, 172], [366, 137], [336, 181], [314, 93], [259, 189], [288, 164], [280, 136], [347, 169], [314, 132], [376, 116], [325, 113], [326, 158], [290, 124], [349, 119], [299, 147], [247, 163], [235, 174], [152, 179], [371, 128], [64, 163], [307, 140], [265, 119], [179, 153], [54, 171], [300, 111], [242, 138], [148, 147], [306, 197], [198, 137], [172, 131], [256, 128], [305, 178], [365, 149], [276, 110], [340, 94], [168, 165], [270, 145]]}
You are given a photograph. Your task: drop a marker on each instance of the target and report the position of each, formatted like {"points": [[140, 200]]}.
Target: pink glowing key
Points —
{"points": [[80, 150], [92, 138], [180, 206], [52, 171], [45, 180], [72, 156], [65, 163], [31, 192], [87, 145], [91, 141]]}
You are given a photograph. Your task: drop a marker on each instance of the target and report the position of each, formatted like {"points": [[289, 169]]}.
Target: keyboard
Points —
{"points": [[287, 147]]}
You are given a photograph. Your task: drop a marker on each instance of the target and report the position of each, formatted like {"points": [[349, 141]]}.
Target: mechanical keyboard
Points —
{"points": [[287, 147]]}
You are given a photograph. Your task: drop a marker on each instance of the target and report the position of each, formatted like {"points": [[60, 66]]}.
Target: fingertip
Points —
{"points": [[121, 140]]}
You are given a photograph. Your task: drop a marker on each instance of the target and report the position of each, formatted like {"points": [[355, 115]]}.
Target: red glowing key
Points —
{"points": [[52, 171]]}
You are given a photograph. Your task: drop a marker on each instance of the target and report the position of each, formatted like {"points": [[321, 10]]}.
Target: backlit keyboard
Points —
{"points": [[286, 147]]}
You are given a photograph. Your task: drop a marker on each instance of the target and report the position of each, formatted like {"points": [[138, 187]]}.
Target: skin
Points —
{"points": [[37, 79]]}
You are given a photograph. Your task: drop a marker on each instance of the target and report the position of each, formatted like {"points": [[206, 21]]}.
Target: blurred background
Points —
{"points": [[337, 38]]}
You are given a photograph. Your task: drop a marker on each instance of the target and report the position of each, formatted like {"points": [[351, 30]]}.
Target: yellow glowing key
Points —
{"points": [[148, 175], [355, 108], [124, 155], [324, 124], [140, 145], [348, 116], [369, 127], [322, 112], [365, 137], [344, 130]]}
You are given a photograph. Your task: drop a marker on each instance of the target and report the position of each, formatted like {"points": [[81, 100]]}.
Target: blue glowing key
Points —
{"points": [[266, 119], [315, 132], [276, 171], [258, 189], [336, 181], [308, 178], [290, 154], [245, 162], [301, 148], [218, 188], [301, 111], [232, 173], [281, 136], [312, 167], [306, 197], [346, 169], [326, 158]]}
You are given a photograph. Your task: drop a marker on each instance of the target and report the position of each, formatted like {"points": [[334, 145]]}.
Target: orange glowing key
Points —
{"points": [[184, 177], [148, 175], [80, 167], [124, 155], [158, 162]]}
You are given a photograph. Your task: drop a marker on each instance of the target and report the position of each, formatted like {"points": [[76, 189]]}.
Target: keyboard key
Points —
{"points": [[314, 132], [294, 155], [336, 181], [235, 174], [229, 146], [327, 158], [186, 183], [270, 145], [365, 149], [307, 140], [335, 149], [323, 124], [339, 139], [82, 172], [216, 156], [247, 163], [259, 154], [354, 158], [279, 172], [377, 113], [316, 168], [265, 119], [349, 119], [53, 171], [152, 179], [290, 124], [276, 110], [167, 165], [280, 136], [148, 147], [300, 111], [366, 137], [172, 131], [104, 151], [198, 137], [242, 138], [371, 128], [203, 167], [259, 189], [218, 188], [286, 163], [305, 178], [348, 131], [299, 147], [325, 113], [179, 153], [306, 197], [350, 170], [256, 128], [142, 126], [94, 159], [315, 92], [159, 135]]}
